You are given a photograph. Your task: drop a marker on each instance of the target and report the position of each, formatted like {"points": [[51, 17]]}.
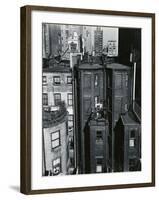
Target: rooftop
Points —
{"points": [[129, 119], [57, 69], [90, 66], [117, 66]]}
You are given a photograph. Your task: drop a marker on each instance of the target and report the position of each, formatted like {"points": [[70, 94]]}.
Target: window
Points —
{"points": [[56, 166], [57, 98], [56, 80], [96, 100], [132, 139], [69, 99], [55, 139], [131, 143], [96, 80], [132, 134], [126, 107], [69, 80], [99, 162], [45, 99], [99, 136], [70, 121], [44, 79]]}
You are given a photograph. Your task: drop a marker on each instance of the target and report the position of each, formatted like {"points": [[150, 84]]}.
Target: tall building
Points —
{"points": [[52, 44], [130, 53], [98, 40], [46, 41], [70, 39], [88, 39], [119, 91], [89, 102]]}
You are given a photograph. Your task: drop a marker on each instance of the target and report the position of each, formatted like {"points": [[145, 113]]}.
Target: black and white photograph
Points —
{"points": [[91, 99]]}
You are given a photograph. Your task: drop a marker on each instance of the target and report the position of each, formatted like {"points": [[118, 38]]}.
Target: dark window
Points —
{"points": [[56, 163], [99, 136], [132, 134], [56, 80], [69, 99], [57, 98], [69, 80], [45, 99], [55, 139], [109, 80]]}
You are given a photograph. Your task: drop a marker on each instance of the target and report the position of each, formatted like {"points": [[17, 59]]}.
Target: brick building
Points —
{"points": [[89, 97], [55, 142], [57, 87]]}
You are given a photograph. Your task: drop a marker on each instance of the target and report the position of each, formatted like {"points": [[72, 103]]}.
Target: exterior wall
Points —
{"points": [[127, 147], [118, 98], [132, 153], [59, 152], [64, 89], [99, 150], [85, 103]]}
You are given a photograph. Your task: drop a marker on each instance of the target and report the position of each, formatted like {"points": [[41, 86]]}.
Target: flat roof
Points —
{"points": [[90, 66], [60, 69], [117, 66]]}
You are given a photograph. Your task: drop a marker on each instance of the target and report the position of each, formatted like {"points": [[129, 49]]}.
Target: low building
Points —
{"points": [[55, 142], [127, 148], [96, 138], [57, 87]]}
